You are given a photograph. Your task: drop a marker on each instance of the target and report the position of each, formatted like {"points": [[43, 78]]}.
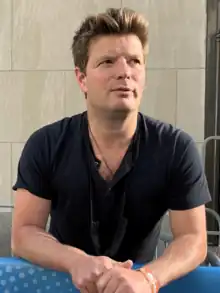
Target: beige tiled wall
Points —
{"points": [[191, 102], [37, 85], [5, 35]]}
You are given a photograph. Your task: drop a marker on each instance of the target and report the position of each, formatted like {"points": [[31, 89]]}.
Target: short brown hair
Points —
{"points": [[112, 22]]}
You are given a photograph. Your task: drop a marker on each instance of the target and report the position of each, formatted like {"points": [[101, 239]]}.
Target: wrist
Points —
{"points": [[151, 279], [72, 257]]}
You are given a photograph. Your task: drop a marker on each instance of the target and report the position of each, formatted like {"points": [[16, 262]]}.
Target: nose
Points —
{"points": [[122, 70]]}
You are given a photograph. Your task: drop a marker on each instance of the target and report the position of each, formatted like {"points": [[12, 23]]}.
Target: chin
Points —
{"points": [[123, 109], [126, 106]]}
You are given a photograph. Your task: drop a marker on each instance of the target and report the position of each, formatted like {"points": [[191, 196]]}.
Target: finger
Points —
{"points": [[112, 285], [91, 287], [127, 264], [84, 290], [120, 289], [103, 281]]}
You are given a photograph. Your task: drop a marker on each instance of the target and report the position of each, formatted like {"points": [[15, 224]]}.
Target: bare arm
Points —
{"points": [[188, 249], [29, 239]]}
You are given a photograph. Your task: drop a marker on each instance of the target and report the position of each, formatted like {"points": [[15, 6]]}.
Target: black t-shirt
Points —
{"points": [[161, 170]]}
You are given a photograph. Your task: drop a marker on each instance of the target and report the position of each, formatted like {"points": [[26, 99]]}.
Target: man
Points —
{"points": [[108, 175]]}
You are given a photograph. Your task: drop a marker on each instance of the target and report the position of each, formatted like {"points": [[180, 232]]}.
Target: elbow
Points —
{"points": [[202, 250], [18, 238], [15, 247], [198, 247], [203, 257]]}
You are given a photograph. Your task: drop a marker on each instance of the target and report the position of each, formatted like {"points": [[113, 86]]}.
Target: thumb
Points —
{"points": [[127, 264]]}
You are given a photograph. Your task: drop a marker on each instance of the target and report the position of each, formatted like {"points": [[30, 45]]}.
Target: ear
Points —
{"points": [[81, 79]]}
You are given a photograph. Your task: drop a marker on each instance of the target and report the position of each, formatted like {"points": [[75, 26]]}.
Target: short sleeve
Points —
{"points": [[188, 186], [33, 168]]}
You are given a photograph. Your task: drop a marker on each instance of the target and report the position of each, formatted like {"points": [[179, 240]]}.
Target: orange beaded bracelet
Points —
{"points": [[148, 275]]}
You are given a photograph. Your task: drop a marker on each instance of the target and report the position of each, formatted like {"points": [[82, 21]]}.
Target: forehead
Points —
{"points": [[115, 45]]}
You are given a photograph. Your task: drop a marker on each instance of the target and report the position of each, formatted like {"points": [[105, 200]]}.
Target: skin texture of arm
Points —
{"points": [[29, 238], [188, 249], [31, 242]]}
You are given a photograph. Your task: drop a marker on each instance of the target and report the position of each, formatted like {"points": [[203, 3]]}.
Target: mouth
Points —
{"points": [[122, 89]]}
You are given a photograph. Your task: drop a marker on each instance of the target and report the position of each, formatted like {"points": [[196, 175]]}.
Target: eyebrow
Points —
{"points": [[106, 57], [109, 56]]}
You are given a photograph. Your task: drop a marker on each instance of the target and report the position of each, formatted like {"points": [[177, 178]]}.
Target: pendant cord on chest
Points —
{"points": [[102, 157]]}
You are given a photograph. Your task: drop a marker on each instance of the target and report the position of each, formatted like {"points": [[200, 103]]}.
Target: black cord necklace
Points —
{"points": [[99, 149]]}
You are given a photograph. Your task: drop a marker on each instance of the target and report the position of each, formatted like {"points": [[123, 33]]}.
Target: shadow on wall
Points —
{"points": [[5, 233]]}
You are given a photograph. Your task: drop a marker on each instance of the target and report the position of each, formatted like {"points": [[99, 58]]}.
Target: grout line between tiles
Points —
{"points": [[176, 111], [11, 173], [71, 70], [12, 29], [65, 96]]}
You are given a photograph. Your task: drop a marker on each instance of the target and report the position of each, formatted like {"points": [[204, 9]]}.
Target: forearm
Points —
{"points": [[183, 255], [41, 248]]}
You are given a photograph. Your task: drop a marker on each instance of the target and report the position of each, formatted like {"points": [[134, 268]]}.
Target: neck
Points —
{"points": [[114, 129]]}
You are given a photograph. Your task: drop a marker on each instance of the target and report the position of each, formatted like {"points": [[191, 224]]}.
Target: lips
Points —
{"points": [[122, 89]]}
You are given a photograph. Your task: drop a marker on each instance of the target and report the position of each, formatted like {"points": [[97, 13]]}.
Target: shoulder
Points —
{"points": [[166, 134], [45, 141], [55, 131]]}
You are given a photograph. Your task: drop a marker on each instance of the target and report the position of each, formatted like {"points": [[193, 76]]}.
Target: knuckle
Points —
{"points": [[102, 259], [107, 263], [121, 278], [102, 263], [80, 283], [120, 275], [83, 281], [96, 272]]}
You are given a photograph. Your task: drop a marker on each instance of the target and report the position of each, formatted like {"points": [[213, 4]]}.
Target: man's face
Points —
{"points": [[115, 73]]}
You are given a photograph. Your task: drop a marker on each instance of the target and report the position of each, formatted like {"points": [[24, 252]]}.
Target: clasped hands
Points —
{"points": [[100, 274]]}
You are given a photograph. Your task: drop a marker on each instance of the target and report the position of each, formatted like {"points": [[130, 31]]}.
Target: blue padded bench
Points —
{"points": [[22, 277]]}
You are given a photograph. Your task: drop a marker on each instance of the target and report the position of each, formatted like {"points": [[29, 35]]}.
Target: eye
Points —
{"points": [[107, 61], [135, 61]]}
